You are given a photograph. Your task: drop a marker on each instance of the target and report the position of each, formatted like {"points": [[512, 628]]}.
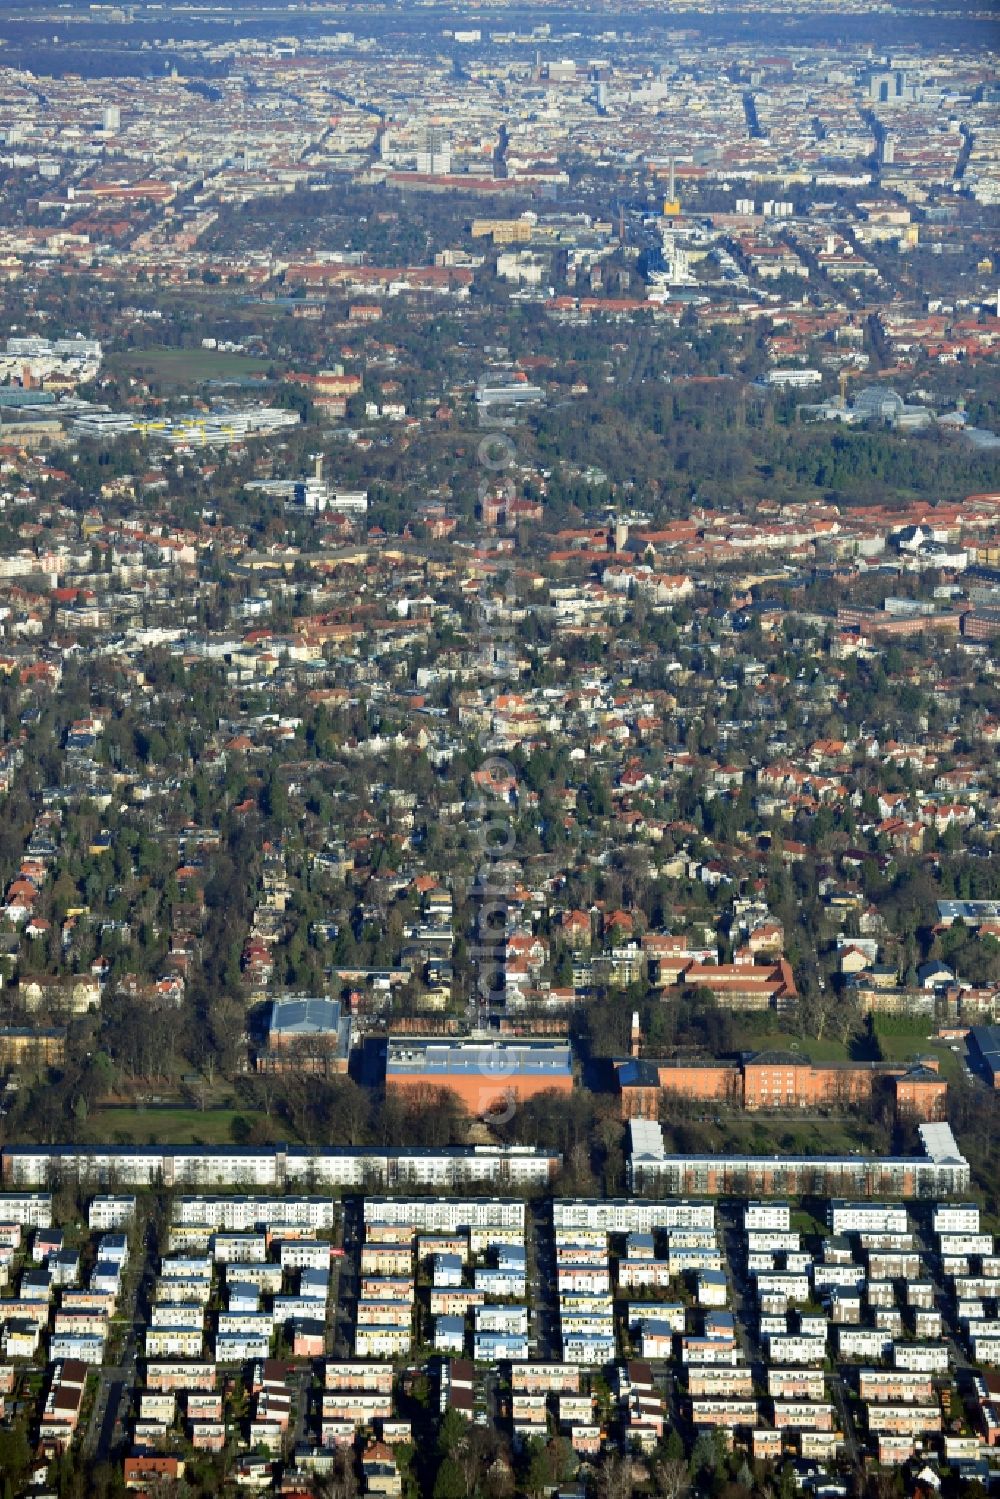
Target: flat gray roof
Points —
{"points": [[487, 1058]]}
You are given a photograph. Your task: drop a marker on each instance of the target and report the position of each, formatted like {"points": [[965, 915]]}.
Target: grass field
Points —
{"points": [[792, 1136], [804, 1222], [167, 1126], [767, 1034], [186, 366], [906, 1048], [737, 1134]]}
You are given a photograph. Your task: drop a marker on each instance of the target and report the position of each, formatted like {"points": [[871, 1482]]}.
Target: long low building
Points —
{"points": [[277, 1167], [481, 1073], [779, 1080], [445, 1214], [984, 1045], [941, 1171]]}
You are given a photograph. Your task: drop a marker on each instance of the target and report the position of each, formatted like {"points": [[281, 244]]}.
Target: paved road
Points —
{"points": [[301, 1384], [962, 1364], [542, 1269], [841, 1399], [745, 1310], [348, 1278], [106, 1430]]}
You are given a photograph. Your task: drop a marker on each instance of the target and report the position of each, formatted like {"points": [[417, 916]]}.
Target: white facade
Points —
{"points": [[87, 1347], [30, 1209], [624, 1215], [956, 1218], [930, 1357], [110, 1212], [867, 1217], [446, 1213], [767, 1215]]}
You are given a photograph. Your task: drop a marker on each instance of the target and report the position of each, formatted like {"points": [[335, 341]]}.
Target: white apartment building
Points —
{"points": [[934, 1358], [867, 1217], [792, 1348], [505, 1319], [625, 1215], [863, 1343], [239, 1214], [239, 1249], [87, 1347], [488, 1347], [588, 1348], [239, 1347], [109, 1212], [956, 1218], [773, 1216], [447, 1213], [29, 1209], [778, 1285]]}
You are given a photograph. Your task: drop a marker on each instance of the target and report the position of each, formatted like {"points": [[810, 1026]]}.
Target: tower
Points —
{"points": [[111, 119], [635, 1038], [672, 205], [435, 158]]}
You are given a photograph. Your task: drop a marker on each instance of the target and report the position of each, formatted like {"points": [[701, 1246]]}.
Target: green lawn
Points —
{"points": [[793, 1136], [804, 1222], [738, 1134], [767, 1034], [908, 1048], [168, 1126], [186, 366]]}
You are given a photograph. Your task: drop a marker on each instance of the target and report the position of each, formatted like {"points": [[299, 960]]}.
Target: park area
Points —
{"points": [[186, 367]]}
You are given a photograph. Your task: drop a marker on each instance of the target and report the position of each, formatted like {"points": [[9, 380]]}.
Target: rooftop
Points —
{"points": [[311, 1015], [489, 1058]]}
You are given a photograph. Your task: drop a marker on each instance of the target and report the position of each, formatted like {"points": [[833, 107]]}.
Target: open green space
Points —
{"points": [[793, 1136], [169, 1126], [766, 1033], [908, 1048], [805, 1222], [739, 1134], [905, 1045], [186, 366]]}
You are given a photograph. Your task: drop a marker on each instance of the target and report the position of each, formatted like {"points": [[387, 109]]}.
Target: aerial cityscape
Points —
{"points": [[499, 749]]}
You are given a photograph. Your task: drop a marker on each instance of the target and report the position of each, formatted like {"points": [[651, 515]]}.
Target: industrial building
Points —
{"points": [[984, 1048], [306, 1033], [481, 1073]]}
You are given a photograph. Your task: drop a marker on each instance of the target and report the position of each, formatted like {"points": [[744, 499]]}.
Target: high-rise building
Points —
{"points": [[435, 157], [111, 119]]}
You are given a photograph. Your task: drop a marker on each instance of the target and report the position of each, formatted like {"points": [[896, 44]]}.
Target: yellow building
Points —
{"points": [[503, 231]]}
